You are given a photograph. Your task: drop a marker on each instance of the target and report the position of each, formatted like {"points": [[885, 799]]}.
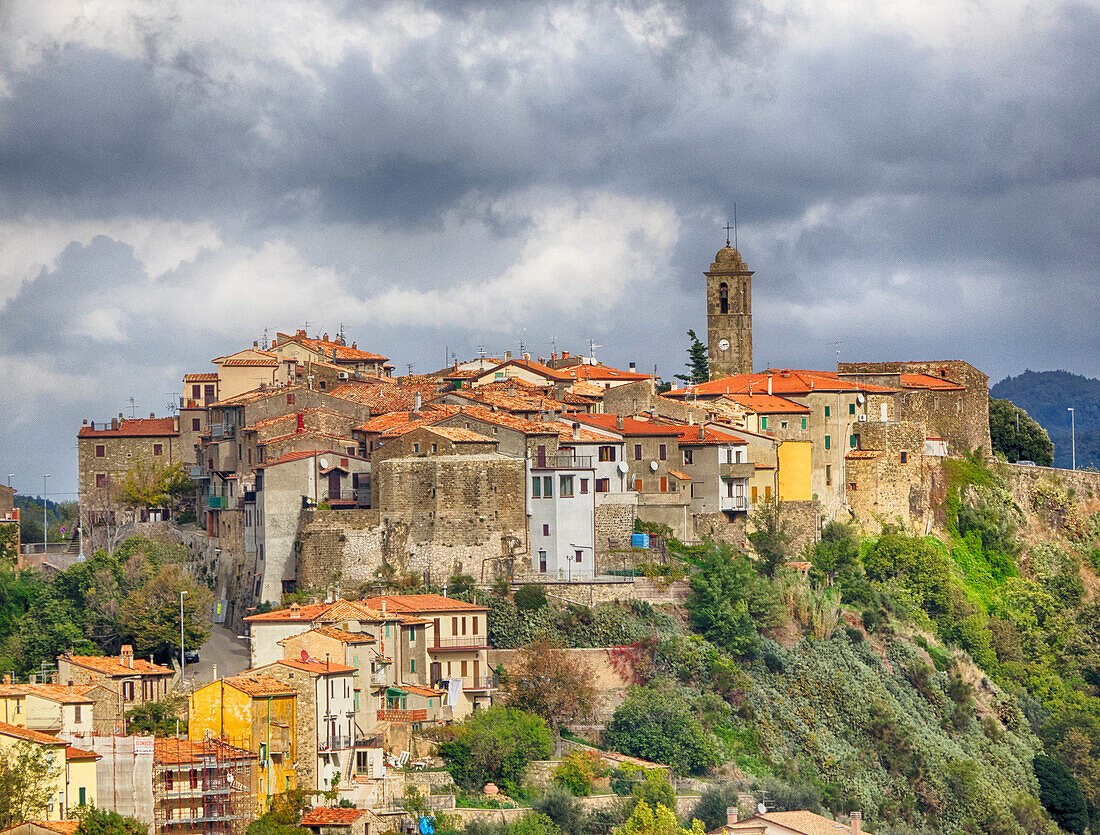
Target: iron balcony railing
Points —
{"points": [[481, 683], [460, 642], [562, 461]]}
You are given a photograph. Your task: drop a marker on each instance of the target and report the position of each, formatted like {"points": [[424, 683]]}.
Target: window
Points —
{"points": [[579, 555], [473, 624], [209, 392], [168, 785], [851, 408], [100, 451], [729, 488], [290, 399], [828, 474], [637, 483], [196, 392], [754, 489], [903, 457], [101, 479], [546, 530], [689, 456], [637, 452], [412, 665], [584, 486], [853, 441], [128, 691], [826, 411], [542, 562], [76, 713], [412, 634], [536, 487], [603, 485], [548, 487], [723, 298], [464, 626], [803, 423], [852, 486], [83, 796], [194, 778], [763, 422], [607, 453], [435, 448], [662, 452], [828, 442], [196, 424], [462, 671], [454, 626], [158, 449], [416, 448], [664, 484], [767, 493], [566, 486]]}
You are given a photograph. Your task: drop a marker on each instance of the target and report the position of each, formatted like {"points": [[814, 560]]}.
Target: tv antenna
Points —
{"points": [[265, 339], [592, 346], [173, 401], [410, 366], [133, 407], [554, 344], [836, 346]]}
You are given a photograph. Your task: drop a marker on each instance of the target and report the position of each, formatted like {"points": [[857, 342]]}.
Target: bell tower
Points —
{"points": [[729, 314]]}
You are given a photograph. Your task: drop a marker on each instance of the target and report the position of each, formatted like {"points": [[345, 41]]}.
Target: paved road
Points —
{"points": [[224, 650]]}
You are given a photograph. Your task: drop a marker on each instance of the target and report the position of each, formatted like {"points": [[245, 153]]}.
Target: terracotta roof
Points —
{"points": [[394, 426], [927, 381], [302, 613], [330, 613], [353, 610], [508, 421], [29, 735], [382, 396], [414, 603], [420, 691], [584, 436], [322, 346], [380, 423], [599, 371], [258, 684], [509, 402], [585, 388], [307, 433], [52, 692], [768, 404], [134, 428], [533, 367], [317, 668], [631, 425], [113, 665], [332, 817], [200, 378], [784, 381], [689, 436], [339, 635], [679, 475], [73, 753], [171, 751], [864, 453], [293, 416], [258, 394], [805, 823], [250, 363], [61, 827], [460, 435], [293, 456]]}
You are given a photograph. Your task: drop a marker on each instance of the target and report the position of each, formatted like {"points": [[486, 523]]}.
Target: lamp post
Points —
{"points": [[183, 659], [1073, 436], [44, 528]]}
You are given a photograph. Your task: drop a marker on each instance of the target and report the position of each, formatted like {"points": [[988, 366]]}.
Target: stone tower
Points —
{"points": [[729, 314]]}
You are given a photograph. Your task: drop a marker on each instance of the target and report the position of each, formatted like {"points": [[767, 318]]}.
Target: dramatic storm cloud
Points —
{"points": [[913, 180]]}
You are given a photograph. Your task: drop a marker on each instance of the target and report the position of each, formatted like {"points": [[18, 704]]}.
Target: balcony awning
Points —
{"points": [[396, 691]]}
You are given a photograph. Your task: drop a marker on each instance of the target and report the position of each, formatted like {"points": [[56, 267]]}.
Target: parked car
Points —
{"points": [[191, 656]]}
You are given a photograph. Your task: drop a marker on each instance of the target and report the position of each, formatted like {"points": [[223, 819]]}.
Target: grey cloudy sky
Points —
{"points": [[914, 180]]}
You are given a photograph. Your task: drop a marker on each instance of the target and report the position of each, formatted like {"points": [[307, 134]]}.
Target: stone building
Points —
{"points": [[729, 314], [887, 478], [117, 684]]}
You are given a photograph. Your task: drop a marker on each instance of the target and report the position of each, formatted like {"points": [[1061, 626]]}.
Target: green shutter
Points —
{"points": [[828, 442], [763, 423], [852, 441], [826, 411], [851, 408], [803, 423]]}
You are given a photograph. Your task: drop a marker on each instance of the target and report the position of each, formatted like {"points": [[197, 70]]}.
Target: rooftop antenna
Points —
{"points": [[837, 345], [410, 366], [133, 407], [592, 346], [728, 227], [173, 401], [554, 344], [481, 357], [265, 339]]}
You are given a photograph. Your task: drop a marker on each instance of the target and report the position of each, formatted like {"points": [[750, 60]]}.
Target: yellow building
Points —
{"points": [[254, 712], [73, 769], [794, 471]]}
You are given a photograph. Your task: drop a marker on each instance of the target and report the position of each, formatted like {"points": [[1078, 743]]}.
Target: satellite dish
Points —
{"points": [[860, 398], [761, 808], [653, 466], [323, 462], [622, 468], [305, 655]]}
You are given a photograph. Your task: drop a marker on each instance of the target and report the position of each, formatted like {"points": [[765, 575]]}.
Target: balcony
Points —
{"points": [[403, 716], [348, 498], [195, 471], [481, 683], [336, 743], [221, 430], [733, 503], [219, 502], [463, 642], [743, 470], [379, 679], [562, 461]]}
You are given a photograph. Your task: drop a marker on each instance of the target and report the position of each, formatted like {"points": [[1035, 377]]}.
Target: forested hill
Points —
{"points": [[1046, 396]]}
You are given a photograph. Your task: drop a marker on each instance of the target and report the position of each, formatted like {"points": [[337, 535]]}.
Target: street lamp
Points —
{"points": [[1073, 436], [44, 528], [183, 659]]}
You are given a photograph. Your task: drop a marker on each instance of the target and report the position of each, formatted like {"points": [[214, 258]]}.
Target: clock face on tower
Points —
{"points": [[723, 344]]}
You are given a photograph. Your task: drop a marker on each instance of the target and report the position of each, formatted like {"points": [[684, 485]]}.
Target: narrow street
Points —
{"points": [[223, 650]]}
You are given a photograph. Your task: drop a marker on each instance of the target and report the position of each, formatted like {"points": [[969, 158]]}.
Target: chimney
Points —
{"points": [[565, 355], [769, 384], [175, 423], [701, 433], [619, 422], [383, 607], [633, 367], [553, 355], [417, 402], [7, 679], [152, 415], [127, 656], [255, 344], [576, 431], [857, 822], [353, 346], [114, 423], [295, 610], [511, 389], [325, 336], [507, 356], [85, 422]]}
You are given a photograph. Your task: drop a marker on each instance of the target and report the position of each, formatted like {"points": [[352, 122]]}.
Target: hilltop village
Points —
{"points": [[764, 600]]}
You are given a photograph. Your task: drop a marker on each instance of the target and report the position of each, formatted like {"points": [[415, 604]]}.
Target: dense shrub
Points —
{"points": [[495, 745], [656, 723], [1060, 795]]}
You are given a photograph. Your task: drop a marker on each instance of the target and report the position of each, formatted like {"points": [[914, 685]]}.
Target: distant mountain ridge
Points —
{"points": [[1047, 396]]}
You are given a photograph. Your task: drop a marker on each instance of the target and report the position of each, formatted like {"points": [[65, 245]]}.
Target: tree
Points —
{"points": [[578, 770], [1017, 436], [283, 815], [27, 779], [530, 598], [158, 718], [1060, 794], [495, 745], [713, 803], [837, 550], [153, 487], [659, 820], [95, 821], [656, 723], [9, 542], [563, 809], [724, 601], [770, 539], [697, 365], [546, 680], [150, 616]]}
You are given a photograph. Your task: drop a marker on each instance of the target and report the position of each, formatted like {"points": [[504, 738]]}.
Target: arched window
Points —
{"points": [[723, 298]]}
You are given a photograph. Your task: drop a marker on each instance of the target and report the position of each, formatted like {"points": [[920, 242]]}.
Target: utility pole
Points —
{"points": [[1073, 436], [183, 657], [45, 529]]}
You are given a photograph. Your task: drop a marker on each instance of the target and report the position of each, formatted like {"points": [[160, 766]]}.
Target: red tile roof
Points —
{"points": [[171, 751], [415, 603], [52, 692], [680, 475], [293, 456], [689, 436], [72, 753], [332, 817], [258, 394], [784, 381], [29, 735], [927, 381], [381, 396], [603, 373], [200, 378], [257, 684], [317, 668], [61, 827], [113, 665], [134, 428], [337, 635], [250, 363], [293, 416], [631, 425], [769, 404], [530, 365], [864, 453], [460, 435], [322, 346]]}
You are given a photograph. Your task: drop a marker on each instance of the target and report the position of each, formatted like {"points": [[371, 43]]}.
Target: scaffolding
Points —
{"points": [[202, 788]]}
